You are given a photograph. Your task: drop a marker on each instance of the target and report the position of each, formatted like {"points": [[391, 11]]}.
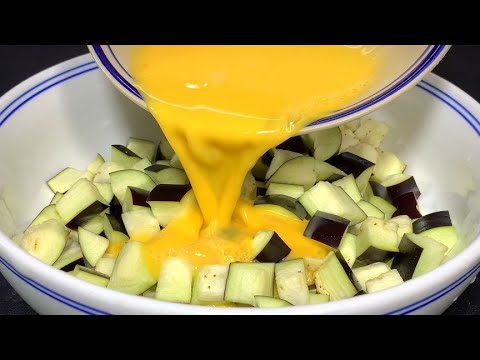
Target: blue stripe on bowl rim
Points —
{"points": [[447, 99], [428, 56]]}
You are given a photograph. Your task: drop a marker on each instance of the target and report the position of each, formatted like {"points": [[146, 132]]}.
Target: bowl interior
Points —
{"points": [[404, 65]]}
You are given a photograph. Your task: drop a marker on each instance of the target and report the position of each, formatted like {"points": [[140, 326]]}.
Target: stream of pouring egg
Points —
{"points": [[221, 108]]}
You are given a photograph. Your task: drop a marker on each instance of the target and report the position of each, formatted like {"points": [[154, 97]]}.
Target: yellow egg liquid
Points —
{"points": [[221, 108]]}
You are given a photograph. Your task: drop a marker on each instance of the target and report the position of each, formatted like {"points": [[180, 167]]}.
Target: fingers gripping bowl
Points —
{"points": [[48, 290]]}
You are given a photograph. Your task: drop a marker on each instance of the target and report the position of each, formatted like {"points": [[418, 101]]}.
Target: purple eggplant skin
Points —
{"points": [[404, 187], [126, 150], [116, 223], [139, 196], [71, 266], [407, 259], [350, 163], [96, 208], [360, 292], [347, 270], [326, 228], [295, 144], [275, 250], [430, 221], [116, 208], [156, 168], [380, 190], [373, 255], [261, 191], [168, 192], [406, 204], [287, 202]]}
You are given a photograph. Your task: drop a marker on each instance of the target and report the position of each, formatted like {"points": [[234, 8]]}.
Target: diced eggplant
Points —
{"points": [[404, 225], [327, 172], [291, 281], [143, 148], [431, 257], [166, 211], [365, 273], [380, 191], [112, 223], [387, 208], [374, 255], [387, 164], [175, 162], [124, 156], [104, 171], [280, 157], [407, 259], [141, 164], [297, 171], [363, 179], [350, 163], [294, 144], [164, 151], [71, 254], [335, 278], [124, 178], [94, 209], [209, 284], [65, 179], [349, 185], [438, 226], [365, 151], [91, 276], [403, 187], [162, 174], [45, 241], [140, 222], [93, 246], [378, 234], [348, 248], [247, 280], [131, 273], [175, 281], [105, 189], [331, 199], [81, 200], [47, 213], [370, 210], [326, 228], [105, 265], [287, 202], [55, 198], [136, 196], [93, 223], [324, 143], [168, 192], [294, 191], [94, 166], [430, 221], [268, 246], [384, 281], [406, 204]]}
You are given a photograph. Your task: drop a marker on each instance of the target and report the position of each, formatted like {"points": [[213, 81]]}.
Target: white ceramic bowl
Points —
{"points": [[405, 66], [66, 114]]}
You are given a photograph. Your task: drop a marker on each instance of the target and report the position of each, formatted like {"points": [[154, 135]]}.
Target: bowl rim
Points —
{"points": [[24, 265], [108, 62]]}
